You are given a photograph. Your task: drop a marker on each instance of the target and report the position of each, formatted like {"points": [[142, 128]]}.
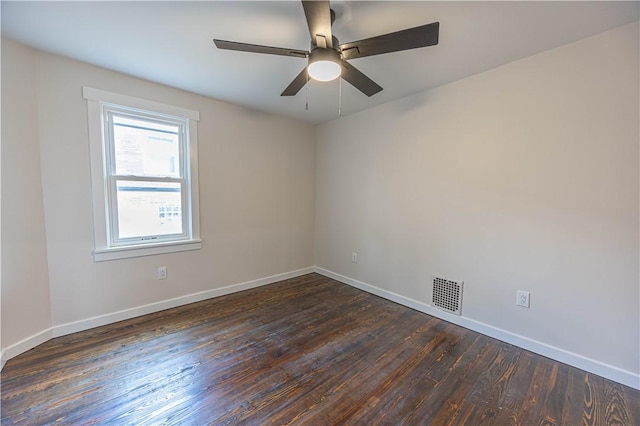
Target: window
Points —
{"points": [[144, 176]]}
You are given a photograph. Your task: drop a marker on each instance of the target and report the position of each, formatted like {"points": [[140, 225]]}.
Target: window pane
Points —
{"points": [[146, 148], [148, 209]]}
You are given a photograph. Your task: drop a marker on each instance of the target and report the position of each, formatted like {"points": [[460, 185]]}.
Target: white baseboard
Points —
{"points": [[86, 324], [25, 344], [616, 374]]}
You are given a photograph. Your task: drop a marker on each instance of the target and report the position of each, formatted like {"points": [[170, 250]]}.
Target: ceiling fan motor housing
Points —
{"points": [[326, 54]]}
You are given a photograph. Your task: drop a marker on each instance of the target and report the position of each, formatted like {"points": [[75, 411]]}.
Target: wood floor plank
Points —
{"points": [[619, 408], [498, 368], [582, 399], [516, 391], [308, 350]]}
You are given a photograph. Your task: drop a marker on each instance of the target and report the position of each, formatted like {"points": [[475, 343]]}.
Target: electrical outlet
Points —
{"points": [[522, 298], [354, 257], [162, 273]]}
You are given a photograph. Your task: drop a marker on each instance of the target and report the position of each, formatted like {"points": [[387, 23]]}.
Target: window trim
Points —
{"points": [[103, 250]]}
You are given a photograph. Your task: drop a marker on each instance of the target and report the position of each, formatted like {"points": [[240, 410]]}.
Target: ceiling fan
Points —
{"points": [[327, 59]]}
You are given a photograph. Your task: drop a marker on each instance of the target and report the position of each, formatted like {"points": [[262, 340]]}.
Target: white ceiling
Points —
{"points": [[170, 42]]}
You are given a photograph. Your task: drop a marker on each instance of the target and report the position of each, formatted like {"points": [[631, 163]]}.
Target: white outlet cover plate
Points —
{"points": [[522, 298], [162, 272]]}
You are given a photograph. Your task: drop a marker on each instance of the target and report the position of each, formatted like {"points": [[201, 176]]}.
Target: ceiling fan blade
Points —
{"points": [[297, 83], [256, 48], [318, 14], [422, 36], [359, 80]]}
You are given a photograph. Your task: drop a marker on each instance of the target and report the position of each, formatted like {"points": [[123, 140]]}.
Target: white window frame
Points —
{"points": [[101, 104]]}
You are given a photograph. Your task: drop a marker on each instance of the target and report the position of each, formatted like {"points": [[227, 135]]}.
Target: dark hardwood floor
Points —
{"points": [[308, 350]]}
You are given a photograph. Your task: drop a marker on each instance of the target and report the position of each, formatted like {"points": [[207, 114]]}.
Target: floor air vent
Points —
{"points": [[447, 295]]}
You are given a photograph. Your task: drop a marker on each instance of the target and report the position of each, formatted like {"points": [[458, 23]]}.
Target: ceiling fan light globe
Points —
{"points": [[324, 70]]}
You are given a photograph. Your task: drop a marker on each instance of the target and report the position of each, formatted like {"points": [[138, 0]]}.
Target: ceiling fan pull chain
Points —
{"points": [[306, 94], [339, 96]]}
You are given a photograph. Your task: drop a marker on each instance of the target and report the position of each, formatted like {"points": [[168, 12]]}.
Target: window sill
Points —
{"points": [[113, 253]]}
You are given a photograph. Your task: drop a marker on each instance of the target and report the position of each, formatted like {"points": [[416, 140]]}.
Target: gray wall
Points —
{"points": [[25, 309], [523, 177], [257, 175]]}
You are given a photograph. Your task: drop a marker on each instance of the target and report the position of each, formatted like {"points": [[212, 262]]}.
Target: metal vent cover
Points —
{"points": [[447, 295]]}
